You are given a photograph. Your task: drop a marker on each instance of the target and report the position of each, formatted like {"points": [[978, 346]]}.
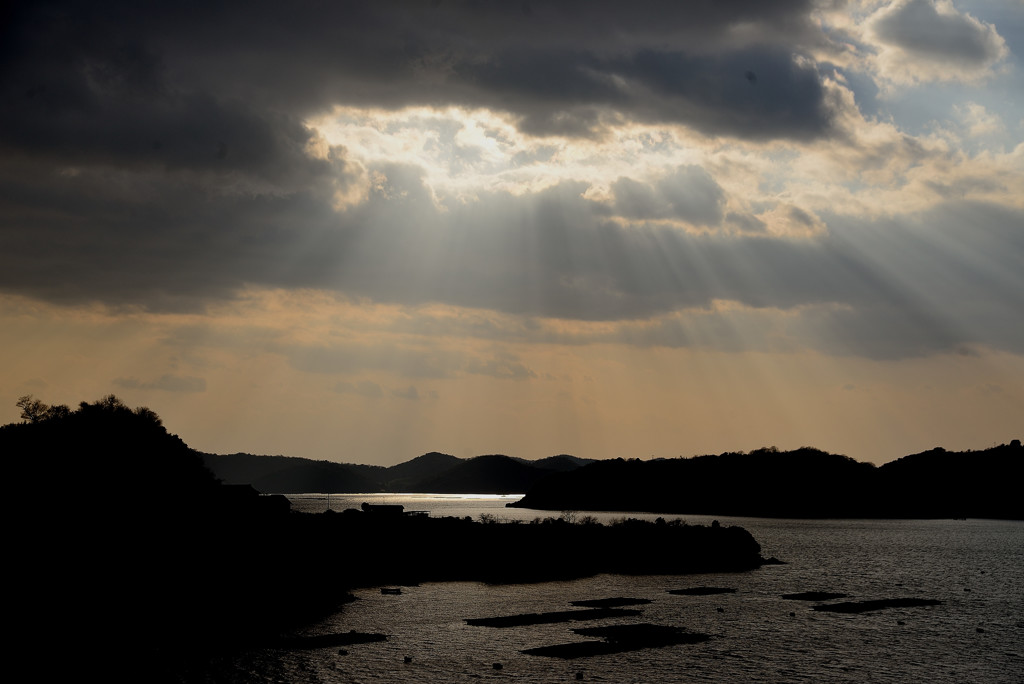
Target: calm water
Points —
{"points": [[975, 567]]}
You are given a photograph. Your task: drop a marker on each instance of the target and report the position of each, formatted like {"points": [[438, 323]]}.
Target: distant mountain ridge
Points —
{"points": [[431, 472], [804, 483]]}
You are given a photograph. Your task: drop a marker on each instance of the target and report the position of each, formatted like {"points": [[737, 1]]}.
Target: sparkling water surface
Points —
{"points": [[975, 567]]}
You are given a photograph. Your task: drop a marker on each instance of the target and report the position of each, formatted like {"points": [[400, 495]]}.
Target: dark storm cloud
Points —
{"points": [[784, 99], [569, 93], [115, 81], [150, 239], [156, 154]]}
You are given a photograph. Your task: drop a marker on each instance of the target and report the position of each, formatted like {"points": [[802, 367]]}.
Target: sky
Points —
{"points": [[363, 231]]}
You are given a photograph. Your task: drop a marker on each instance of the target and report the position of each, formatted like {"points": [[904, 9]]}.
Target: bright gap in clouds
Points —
{"points": [[463, 152]]}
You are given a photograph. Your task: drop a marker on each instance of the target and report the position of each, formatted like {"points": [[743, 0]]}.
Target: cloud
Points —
{"points": [[501, 366], [347, 357], [688, 194], [197, 86], [413, 394], [561, 93], [930, 40], [790, 220], [165, 383], [977, 120], [363, 388], [745, 223]]}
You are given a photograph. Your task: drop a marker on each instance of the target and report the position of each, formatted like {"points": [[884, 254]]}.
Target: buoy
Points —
{"points": [[579, 675], [792, 615], [720, 610], [408, 659], [342, 651], [496, 666]]}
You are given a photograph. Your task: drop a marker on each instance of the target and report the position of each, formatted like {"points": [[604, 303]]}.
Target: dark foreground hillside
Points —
{"points": [[122, 535], [128, 552], [805, 483]]}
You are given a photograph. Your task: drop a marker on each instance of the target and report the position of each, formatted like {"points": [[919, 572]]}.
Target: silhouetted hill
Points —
{"points": [[128, 537], [289, 475], [491, 474], [942, 484], [804, 482], [801, 483], [112, 455], [244, 468], [405, 477], [561, 462], [431, 472], [316, 476]]}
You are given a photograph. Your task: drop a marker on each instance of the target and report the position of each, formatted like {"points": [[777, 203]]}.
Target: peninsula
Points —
{"points": [[146, 544]]}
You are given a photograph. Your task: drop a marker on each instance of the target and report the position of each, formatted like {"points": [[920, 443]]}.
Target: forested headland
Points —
{"points": [[803, 483], [125, 540]]}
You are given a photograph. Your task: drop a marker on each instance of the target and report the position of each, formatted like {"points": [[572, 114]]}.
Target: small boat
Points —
{"points": [[390, 590]]}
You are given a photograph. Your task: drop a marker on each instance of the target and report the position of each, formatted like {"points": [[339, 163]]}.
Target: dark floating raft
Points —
{"points": [[814, 596], [329, 640], [702, 591], [879, 604], [618, 639], [552, 617], [613, 602]]}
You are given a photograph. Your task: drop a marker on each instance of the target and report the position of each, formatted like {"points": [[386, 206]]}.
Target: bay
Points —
{"points": [[975, 568]]}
